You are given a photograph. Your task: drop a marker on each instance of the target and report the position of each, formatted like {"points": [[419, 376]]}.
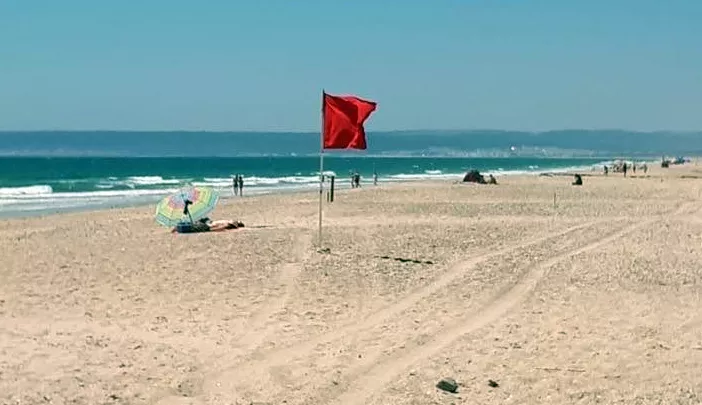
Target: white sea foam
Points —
{"points": [[151, 180], [47, 195], [255, 181], [25, 191], [62, 201], [9, 201]]}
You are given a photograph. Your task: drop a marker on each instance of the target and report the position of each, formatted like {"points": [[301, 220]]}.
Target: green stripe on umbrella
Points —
{"points": [[201, 201]]}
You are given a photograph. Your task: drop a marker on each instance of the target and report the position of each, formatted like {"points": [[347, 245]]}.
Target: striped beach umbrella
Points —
{"points": [[188, 204]]}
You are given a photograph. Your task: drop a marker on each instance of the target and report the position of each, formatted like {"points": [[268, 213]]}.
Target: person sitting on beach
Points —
{"points": [[578, 180], [207, 225], [492, 180]]}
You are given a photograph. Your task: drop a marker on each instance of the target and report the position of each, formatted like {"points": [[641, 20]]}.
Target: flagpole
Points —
{"points": [[321, 172]]}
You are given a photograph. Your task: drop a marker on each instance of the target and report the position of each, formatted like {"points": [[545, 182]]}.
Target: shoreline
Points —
{"points": [[225, 196], [152, 196]]}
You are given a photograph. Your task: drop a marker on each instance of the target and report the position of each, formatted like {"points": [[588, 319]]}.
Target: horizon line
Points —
{"points": [[240, 131]]}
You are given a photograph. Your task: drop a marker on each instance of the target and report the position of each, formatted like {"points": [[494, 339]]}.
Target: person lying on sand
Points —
{"points": [[207, 225], [224, 224]]}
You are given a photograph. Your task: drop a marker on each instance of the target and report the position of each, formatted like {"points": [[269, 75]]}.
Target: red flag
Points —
{"points": [[343, 121]]}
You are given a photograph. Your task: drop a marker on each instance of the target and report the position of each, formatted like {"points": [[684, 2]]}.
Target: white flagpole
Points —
{"points": [[321, 172]]}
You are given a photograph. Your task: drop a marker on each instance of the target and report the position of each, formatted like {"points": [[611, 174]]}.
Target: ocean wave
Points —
{"points": [[151, 180], [136, 182], [47, 194], [316, 174], [25, 191], [213, 182], [255, 181], [62, 201], [9, 201]]}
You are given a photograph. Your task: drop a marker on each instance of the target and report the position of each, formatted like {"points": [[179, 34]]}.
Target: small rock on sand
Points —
{"points": [[448, 385]]}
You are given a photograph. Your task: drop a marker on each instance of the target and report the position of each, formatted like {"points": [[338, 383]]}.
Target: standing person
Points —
{"points": [[645, 168], [375, 178], [624, 169], [235, 184], [357, 180], [353, 180], [606, 170], [241, 186]]}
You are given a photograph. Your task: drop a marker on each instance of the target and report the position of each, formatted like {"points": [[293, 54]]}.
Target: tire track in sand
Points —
{"points": [[258, 327], [373, 380], [222, 384]]}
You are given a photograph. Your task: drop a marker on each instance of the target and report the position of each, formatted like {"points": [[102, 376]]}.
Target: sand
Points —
{"points": [[594, 300]]}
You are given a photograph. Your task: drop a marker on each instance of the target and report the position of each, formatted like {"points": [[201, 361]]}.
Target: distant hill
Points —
{"points": [[576, 143]]}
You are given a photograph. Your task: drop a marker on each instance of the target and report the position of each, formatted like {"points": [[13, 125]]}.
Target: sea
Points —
{"points": [[58, 171], [41, 185]]}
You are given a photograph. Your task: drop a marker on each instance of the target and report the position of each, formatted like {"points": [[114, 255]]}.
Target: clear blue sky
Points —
{"points": [[261, 64]]}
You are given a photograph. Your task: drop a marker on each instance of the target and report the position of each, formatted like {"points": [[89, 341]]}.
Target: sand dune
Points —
{"points": [[594, 300]]}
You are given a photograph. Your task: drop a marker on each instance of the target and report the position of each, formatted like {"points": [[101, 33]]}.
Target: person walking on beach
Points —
{"points": [[241, 186], [235, 184], [606, 170], [375, 178], [624, 169]]}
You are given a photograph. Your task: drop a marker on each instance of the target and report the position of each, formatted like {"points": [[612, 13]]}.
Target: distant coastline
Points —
{"points": [[409, 143]]}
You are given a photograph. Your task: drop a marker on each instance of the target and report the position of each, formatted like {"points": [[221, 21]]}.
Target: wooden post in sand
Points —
{"points": [[331, 189], [554, 199]]}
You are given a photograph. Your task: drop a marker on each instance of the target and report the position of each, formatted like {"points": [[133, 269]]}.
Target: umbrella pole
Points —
{"points": [[186, 211]]}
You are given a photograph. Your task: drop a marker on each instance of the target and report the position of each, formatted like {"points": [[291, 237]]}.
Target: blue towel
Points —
{"points": [[188, 227], [184, 227]]}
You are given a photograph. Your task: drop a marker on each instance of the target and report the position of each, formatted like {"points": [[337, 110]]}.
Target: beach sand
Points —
{"points": [[593, 300]]}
